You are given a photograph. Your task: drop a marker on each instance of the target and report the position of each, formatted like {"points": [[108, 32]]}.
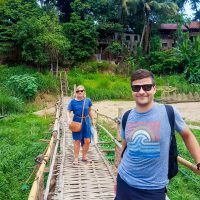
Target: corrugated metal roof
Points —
{"points": [[171, 27], [194, 25]]}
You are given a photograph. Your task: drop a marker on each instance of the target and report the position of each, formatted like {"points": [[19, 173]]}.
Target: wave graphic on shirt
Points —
{"points": [[142, 145]]}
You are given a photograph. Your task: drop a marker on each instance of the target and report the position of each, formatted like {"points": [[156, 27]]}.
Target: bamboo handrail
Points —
{"points": [[113, 119], [33, 195], [188, 165], [111, 136]]}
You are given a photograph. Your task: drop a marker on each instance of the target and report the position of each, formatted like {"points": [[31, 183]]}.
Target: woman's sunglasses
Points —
{"points": [[77, 91], [146, 87]]}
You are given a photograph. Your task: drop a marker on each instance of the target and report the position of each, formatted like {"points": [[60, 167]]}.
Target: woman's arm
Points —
{"points": [[69, 116], [91, 115]]}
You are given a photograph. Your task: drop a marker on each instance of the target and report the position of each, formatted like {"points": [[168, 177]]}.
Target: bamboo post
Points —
{"points": [[120, 113], [188, 165], [36, 184], [74, 88]]}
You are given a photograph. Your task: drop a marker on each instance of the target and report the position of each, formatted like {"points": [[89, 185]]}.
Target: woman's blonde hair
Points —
{"points": [[80, 87]]}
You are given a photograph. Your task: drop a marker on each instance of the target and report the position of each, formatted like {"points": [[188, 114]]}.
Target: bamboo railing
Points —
{"points": [[37, 189]]}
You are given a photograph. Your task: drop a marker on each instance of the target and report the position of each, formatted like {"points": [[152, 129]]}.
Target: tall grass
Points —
{"points": [[186, 184], [109, 86], [19, 145], [101, 86]]}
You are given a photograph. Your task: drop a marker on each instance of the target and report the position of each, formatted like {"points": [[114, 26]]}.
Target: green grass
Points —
{"points": [[101, 86], [19, 145], [184, 186]]}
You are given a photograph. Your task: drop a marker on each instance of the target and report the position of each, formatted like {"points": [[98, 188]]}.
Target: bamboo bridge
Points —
{"points": [[86, 181]]}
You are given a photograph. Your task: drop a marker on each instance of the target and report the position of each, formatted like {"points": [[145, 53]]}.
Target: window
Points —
{"points": [[128, 37], [136, 38], [164, 44]]}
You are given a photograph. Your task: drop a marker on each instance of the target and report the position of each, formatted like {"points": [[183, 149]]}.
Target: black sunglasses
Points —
{"points": [[146, 87], [77, 91]]}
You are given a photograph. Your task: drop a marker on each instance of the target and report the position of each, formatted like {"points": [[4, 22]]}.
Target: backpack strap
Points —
{"points": [[124, 119], [173, 151], [171, 117]]}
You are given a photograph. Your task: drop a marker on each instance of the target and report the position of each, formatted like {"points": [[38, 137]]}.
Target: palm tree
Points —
{"points": [[151, 9]]}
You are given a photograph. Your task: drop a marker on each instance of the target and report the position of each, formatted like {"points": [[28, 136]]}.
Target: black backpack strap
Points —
{"points": [[171, 117], [124, 119], [173, 152]]}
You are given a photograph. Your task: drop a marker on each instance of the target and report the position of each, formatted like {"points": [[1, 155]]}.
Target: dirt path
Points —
{"points": [[189, 111]]}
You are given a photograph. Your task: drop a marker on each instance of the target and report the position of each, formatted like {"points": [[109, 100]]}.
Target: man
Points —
{"points": [[143, 171]]}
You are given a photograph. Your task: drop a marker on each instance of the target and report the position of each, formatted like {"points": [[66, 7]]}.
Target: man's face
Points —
{"points": [[143, 91]]}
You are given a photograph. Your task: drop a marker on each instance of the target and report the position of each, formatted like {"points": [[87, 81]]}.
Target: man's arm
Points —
{"points": [[191, 143]]}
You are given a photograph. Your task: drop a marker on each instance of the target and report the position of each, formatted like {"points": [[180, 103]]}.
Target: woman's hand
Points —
{"points": [[69, 121], [92, 122]]}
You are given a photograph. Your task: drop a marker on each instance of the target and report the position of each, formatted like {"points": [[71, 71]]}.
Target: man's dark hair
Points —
{"points": [[140, 74]]}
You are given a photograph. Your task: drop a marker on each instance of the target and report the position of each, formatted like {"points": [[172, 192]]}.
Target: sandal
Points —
{"points": [[75, 162], [87, 160]]}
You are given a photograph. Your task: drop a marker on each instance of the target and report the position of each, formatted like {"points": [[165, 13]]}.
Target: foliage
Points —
{"points": [[95, 66], [165, 62], [9, 104], [12, 104], [155, 43], [19, 144], [82, 36], [110, 86], [47, 83], [116, 49], [101, 86], [11, 12], [41, 39], [190, 51], [23, 85], [186, 178]]}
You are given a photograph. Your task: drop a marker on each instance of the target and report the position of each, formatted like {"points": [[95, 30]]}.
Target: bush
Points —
{"points": [[23, 85], [165, 62], [95, 66], [192, 74], [9, 104], [47, 83]]}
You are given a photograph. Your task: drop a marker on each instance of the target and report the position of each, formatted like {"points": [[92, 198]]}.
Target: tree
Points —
{"points": [[41, 40], [82, 35], [11, 12], [150, 10], [64, 7]]}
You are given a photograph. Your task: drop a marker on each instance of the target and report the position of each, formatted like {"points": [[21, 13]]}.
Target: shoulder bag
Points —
{"points": [[76, 126]]}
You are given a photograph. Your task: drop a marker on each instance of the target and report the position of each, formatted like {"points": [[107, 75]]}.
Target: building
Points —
{"points": [[168, 33]]}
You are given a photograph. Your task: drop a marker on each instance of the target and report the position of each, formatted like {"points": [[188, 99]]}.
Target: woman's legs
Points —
{"points": [[86, 146], [76, 150]]}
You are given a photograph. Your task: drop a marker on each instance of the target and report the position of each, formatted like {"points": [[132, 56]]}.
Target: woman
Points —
{"points": [[84, 136]]}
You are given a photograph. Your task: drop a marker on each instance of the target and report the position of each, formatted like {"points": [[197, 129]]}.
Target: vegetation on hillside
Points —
{"points": [[20, 85], [49, 34]]}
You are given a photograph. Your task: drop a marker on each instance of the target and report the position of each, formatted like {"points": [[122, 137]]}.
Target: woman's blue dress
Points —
{"points": [[77, 106]]}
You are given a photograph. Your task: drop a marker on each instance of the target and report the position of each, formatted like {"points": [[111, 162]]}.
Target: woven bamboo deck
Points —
{"points": [[86, 181]]}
